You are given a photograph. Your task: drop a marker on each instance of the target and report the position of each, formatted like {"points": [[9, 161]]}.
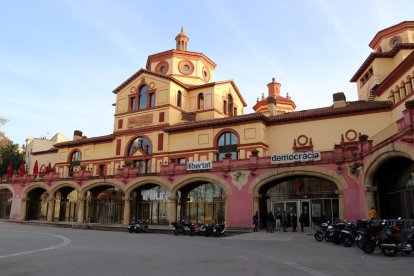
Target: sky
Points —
{"points": [[60, 60]]}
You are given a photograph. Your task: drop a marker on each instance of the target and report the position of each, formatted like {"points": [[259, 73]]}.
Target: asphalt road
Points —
{"points": [[41, 250]]}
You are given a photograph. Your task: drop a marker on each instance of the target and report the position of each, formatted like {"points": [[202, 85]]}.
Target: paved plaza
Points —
{"points": [[44, 250]]}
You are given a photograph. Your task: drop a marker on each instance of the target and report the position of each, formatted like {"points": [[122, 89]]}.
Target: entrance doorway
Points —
{"points": [[294, 206]]}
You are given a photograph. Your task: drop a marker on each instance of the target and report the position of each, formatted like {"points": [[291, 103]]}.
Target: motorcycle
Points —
{"points": [[349, 234], [219, 229], [138, 226], [395, 240], [334, 232], [178, 227], [371, 237], [321, 232]]}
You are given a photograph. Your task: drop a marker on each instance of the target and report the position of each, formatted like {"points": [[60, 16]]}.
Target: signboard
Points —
{"points": [[203, 165], [295, 157]]}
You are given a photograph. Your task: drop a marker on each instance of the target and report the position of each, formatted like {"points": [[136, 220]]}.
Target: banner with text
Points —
{"points": [[295, 157], [203, 165]]}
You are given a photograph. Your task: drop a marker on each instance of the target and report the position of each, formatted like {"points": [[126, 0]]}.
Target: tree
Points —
{"points": [[9, 153]]}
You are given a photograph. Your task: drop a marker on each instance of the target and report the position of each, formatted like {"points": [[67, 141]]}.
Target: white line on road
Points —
{"points": [[65, 242], [306, 269]]}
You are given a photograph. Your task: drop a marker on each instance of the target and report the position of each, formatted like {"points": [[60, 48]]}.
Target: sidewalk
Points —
{"points": [[164, 229]]}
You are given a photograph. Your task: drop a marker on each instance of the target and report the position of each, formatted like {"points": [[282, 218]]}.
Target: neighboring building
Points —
{"points": [[42, 151], [182, 147]]}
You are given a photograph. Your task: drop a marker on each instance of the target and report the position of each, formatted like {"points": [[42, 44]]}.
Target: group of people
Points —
{"points": [[282, 220]]}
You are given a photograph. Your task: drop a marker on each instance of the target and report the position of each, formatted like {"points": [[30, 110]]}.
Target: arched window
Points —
{"points": [[227, 144], [179, 98], [142, 97], [397, 95], [391, 96], [142, 144], [409, 86], [76, 156], [230, 105], [200, 101]]}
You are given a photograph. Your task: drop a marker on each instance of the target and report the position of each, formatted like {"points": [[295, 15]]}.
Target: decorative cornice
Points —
{"points": [[179, 54], [395, 29]]}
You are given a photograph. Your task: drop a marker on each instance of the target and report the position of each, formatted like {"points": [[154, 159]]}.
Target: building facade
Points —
{"points": [[182, 148]]}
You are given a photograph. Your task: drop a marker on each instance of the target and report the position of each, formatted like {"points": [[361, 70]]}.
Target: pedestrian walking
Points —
{"points": [[284, 221], [302, 220], [294, 222], [270, 222], [255, 222], [278, 221]]}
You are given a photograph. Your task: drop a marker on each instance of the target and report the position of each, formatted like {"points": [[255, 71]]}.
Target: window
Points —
{"points": [[132, 103], [142, 97], [142, 144], [227, 143], [76, 156], [144, 166], [396, 42], [181, 161], [179, 98], [230, 105], [152, 99], [200, 101], [225, 107]]}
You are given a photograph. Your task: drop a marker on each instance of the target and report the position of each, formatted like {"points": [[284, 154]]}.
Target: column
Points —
{"points": [[23, 209], [341, 204], [50, 209], [256, 204], [127, 210], [81, 209], [172, 209]]}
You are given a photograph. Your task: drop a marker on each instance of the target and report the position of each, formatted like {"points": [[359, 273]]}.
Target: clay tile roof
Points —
{"points": [[84, 141], [51, 150], [374, 55], [397, 27], [351, 107]]}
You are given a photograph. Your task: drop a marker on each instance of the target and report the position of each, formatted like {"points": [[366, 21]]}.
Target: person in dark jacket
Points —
{"points": [[302, 220], [255, 222], [270, 222], [294, 221]]}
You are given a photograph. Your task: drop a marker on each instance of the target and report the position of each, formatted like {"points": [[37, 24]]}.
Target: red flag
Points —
{"points": [[36, 169], [10, 170], [22, 169], [48, 167]]}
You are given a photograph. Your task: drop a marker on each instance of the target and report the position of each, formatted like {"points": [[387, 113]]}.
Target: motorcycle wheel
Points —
{"points": [[318, 236], [175, 232], [130, 230], [389, 252], [368, 247], [348, 241]]}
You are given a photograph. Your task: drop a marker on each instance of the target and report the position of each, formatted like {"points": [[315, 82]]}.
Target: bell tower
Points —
{"points": [[181, 41]]}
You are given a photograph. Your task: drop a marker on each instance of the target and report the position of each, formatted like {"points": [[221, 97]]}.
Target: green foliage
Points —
{"points": [[9, 153]]}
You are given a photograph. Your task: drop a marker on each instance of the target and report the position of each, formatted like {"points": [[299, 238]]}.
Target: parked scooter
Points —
{"points": [[349, 234]]}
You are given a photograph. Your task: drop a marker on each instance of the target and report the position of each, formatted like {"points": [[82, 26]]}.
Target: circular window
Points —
{"points": [[162, 68], [185, 67], [396, 41], [351, 135], [206, 74], [302, 140]]}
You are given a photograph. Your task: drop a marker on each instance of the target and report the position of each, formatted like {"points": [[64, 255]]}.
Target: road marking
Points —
{"points": [[306, 269], [65, 242]]}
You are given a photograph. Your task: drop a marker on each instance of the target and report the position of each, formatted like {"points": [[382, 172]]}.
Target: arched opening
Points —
{"points": [[150, 202], [179, 98], [37, 203], [230, 105], [201, 201], [316, 197], [66, 204], [142, 97], [200, 101], [104, 204], [394, 185], [6, 198]]}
